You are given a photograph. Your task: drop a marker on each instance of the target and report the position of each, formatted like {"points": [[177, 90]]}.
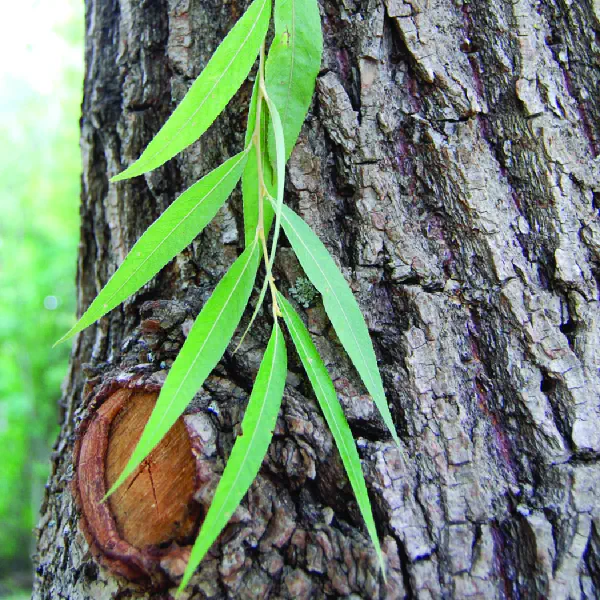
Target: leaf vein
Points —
{"points": [[256, 429], [181, 222], [206, 97], [339, 437], [332, 291], [199, 352]]}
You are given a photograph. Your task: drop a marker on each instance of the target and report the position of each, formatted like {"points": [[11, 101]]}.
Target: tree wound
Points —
{"points": [[145, 523]]}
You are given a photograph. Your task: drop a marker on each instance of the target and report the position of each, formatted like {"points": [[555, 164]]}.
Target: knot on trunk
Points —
{"points": [[144, 530]]}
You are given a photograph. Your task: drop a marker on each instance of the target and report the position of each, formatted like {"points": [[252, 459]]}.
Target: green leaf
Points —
{"points": [[293, 63], [340, 305], [204, 347], [334, 415], [250, 177], [166, 237], [279, 144], [210, 93], [250, 196], [249, 449], [280, 177], [250, 126]]}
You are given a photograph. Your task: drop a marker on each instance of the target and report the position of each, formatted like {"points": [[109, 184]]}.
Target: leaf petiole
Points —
{"points": [[263, 193]]}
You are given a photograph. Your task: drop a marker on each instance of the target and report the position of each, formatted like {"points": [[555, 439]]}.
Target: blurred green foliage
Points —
{"points": [[39, 194]]}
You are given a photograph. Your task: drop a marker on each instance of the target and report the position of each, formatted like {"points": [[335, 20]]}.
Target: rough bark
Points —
{"points": [[450, 164]]}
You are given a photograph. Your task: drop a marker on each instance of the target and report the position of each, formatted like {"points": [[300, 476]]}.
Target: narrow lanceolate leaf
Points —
{"points": [[293, 63], [340, 305], [250, 198], [279, 174], [251, 125], [250, 177], [204, 347], [249, 449], [279, 144], [334, 415], [210, 93], [165, 238]]}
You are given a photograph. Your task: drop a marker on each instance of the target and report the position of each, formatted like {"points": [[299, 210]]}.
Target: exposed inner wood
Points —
{"points": [[154, 506]]}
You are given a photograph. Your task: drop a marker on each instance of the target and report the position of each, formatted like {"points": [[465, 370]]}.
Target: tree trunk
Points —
{"points": [[450, 165]]}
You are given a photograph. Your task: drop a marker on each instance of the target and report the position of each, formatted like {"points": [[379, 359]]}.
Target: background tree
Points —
{"points": [[450, 164]]}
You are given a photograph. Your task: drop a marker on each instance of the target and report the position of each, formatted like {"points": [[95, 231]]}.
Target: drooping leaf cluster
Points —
{"points": [[280, 102]]}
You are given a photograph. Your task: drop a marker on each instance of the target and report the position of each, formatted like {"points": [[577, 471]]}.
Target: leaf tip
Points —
{"points": [[131, 171], [383, 572], [120, 177], [181, 587], [64, 338], [113, 488], [380, 559]]}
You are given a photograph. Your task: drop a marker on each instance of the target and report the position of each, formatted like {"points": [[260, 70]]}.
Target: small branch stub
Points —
{"points": [[144, 530]]}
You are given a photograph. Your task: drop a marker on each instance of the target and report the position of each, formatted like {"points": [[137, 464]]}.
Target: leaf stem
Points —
{"points": [[262, 188]]}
